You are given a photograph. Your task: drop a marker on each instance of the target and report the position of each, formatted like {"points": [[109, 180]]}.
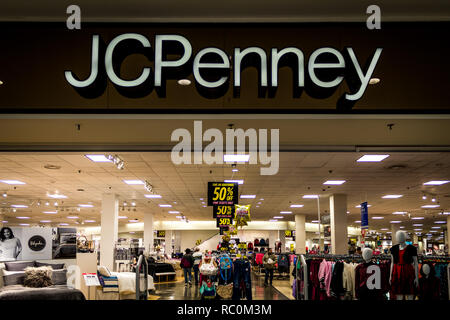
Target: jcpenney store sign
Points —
{"points": [[174, 58]]}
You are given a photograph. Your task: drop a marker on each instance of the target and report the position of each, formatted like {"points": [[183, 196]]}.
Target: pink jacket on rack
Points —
{"points": [[325, 273]]}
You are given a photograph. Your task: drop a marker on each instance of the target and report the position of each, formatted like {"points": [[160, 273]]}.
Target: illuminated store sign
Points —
{"points": [[319, 74]]}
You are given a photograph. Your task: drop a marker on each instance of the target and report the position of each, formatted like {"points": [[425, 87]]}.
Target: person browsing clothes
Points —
{"points": [[269, 260]]}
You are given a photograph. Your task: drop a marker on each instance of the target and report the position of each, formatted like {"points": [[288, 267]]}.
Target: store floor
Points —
{"points": [[177, 290]]}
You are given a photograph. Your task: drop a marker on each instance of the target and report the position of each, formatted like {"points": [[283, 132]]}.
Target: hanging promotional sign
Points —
{"points": [[224, 222], [222, 193], [364, 216], [161, 233], [223, 211]]}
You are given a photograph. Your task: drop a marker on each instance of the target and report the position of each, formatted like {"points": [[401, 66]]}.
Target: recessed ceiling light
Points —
{"points": [[402, 227], [377, 218], [24, 224], [436, 182], [235, 170], [201, 199], [435, 227], [384, 229], [45, 221], [430, 206], [392, 196], [334, 182], [89, 221], [248, 196], [261, 199], [12, 182], [98, 158], [63, 224], [374, 80], [234, 181], [122, 217], [399, 212], [204, 206], [310, 196], [440, 221], [19, 206], [72, 217], [86, 205], [184, 82], [179, 217], [285, 212], [50, 212], [133, 221], [134, 182], [257, 206], [56, 196], [174, 212], [4, 221], [395, 221], [433, 231], [296, 205], [373, 158], [418, 229], [359, 206], [417, 225], [165, 205], [315, 221], [273, 220], [152, 196], [23, 217], [236, 157], [278, 217], [357, 221], [417, 218]]}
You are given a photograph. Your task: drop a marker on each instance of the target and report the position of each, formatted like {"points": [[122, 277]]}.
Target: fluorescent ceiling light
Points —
{"points": [[392, 196], [57, 196], [418, 229], [273, 220], [88, 221], [315, 221], [248, 196], [98, 158], [310, 196], [179, 217], [50, 212], [204, 206], [165, 205], [23, 217], [402, 227], [234, 181], [436, 182], [334, 182], [440, 221], [357, 221], [152, 196], [417, 225], [72, 217], [236, 157], [45, 221], [435, 227], [12, 181], [133, 221], [433, 231], [430, 206], [373, 158], [122, 217], [377, 218], [134, 182], [86, 205], [296, 205], [278, 217], [24, 224], [395, 221], [285, 212], [63, 224], [417, 218], [399, 212], [174, 212], [359, 206], [4, 221], [384, 229], [235, 170], [19, 206]]}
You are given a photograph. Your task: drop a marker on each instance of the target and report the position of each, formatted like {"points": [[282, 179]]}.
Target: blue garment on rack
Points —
{"points": [[242, 279]]}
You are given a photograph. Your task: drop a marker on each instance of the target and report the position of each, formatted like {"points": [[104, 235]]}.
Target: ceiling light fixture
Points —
{"points": [[97, 158], [57, 196], [310, 196], [400, 212], [86, 205], [165, 205], [430, 206], [377, 218], [174, 212], [234, 181], [134, 182], [119, 163], [89, 221], [184, 82], [12, 182], [395, 221], [5, 194], [248, 196], [278, 217], [436, 182], [296, 205], [122, 217], [72, 217], [441, 221], [334, 182], [236, 157], [19, 206], [23, 217], [359, 206], [45, 221], [392, 196], [285, 212], [152, 196], [373, 158], [417, 218]]}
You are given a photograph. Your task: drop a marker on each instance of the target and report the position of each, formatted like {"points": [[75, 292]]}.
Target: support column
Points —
{"points": [[109, 229], [282, 237], [394, 229], [415, 239], [169, 249], [148, 232], [300, 234], [338, 218]]}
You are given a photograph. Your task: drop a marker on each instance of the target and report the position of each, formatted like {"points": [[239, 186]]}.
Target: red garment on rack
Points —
{"points": [[403, 276]]}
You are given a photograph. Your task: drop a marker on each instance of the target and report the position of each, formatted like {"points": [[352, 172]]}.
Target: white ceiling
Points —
{"points": [[225, 11], [300, 173]]}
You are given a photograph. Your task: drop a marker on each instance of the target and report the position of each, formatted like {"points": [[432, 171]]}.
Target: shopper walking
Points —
{"points": [[269, 260], [186, 264], [197, 259]]}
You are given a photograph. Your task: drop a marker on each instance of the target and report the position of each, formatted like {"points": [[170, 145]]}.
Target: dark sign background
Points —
{"points": [[222, 193], [36, 243], [223, 211]]}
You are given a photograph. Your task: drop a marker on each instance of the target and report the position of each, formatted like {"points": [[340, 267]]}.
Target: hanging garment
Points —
{"points": [[362, 290], [262, 242], [283, 263], [429, 286], [336, 286], [348, 280], [256, 242], [259, 258], [225, 268], [314, 286], [250, 246], [208, 268], [441, 274], [325, 278], [242, 280], [208, 290]]}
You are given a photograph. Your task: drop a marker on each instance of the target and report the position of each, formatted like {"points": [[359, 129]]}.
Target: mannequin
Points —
{"points": [[367, 254], [404, 275], [368, 283], [426, 270], [429, 285]]}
